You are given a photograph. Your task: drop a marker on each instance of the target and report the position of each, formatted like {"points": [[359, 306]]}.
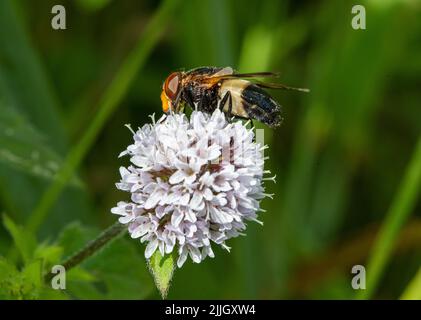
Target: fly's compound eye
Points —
{"points": [[172, 85]]}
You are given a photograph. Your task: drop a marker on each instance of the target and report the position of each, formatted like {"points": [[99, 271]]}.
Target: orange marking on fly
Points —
{"points": [[165, 102]]}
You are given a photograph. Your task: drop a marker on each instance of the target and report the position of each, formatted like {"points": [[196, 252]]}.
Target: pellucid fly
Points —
{"points": [[237, 94]]}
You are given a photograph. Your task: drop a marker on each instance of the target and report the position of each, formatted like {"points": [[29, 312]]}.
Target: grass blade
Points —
{"points": [[399, 211], [413, 291]]}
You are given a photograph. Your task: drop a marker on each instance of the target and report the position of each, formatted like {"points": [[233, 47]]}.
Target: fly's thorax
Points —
{"points": [[203, 97]]}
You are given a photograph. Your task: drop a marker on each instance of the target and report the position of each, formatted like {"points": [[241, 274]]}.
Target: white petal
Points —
{"points": [[123, 153], [207, 251], [169, 247], [207, 194], [168, 141], [124, 172], [190, 216], [195, 255], [191, 230], [125, 219], [161, 247], [177, 177], [154, 198], [184, 200], [140, 231], [190, 179], [132, 178], [182, 258], [135, 187], [222, 187], [214, 152], [150, 248], [220, 216], [119, 210], [176, 218], [196, 200]]}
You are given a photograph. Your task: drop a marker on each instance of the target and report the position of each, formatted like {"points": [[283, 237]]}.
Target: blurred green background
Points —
{"points": [[339, 157]]}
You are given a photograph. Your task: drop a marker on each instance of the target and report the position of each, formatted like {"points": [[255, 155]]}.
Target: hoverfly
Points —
{"points": [[208, 88]]}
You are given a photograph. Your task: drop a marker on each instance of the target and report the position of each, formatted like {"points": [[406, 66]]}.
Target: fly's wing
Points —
{"points": [[223, 72], [260, 84], [207, 76], [228, 73], [251, 75], [269, 85], [213, 75]]}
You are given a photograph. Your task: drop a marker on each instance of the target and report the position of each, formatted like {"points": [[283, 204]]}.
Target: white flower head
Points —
{"points": [[192, 183]]}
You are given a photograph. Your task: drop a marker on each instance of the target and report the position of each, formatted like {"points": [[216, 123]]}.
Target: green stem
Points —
{"points": [[93, 246], [413, 291], [107, 106], [398, 213]]}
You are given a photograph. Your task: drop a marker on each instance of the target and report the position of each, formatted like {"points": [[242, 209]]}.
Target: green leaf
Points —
{"points": [[25, 241], [80, 274], [20, 285], [33, 273], [162, 269], [6, 269], [73, 237], [49, 254], [119, 269], [8, 274], [47, 293], [24, 148]]}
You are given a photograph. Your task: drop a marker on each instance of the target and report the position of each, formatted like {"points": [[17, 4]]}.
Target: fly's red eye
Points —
{"points": [[172, 85]]}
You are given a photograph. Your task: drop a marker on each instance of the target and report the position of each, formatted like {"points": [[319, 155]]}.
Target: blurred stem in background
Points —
{"points": [[399, 211], [112, 97], [413, 291]]}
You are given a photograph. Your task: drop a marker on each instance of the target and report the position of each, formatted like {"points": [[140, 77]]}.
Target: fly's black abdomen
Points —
{"points": [[259, 105]]}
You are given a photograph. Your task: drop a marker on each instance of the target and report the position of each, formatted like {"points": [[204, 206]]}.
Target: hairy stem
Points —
{"points": [[92, 247]]}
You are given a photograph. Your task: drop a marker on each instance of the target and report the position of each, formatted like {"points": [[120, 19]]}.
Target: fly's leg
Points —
{"points": [[227, 98], [177, 101], [203, 104], [189, 99], [229, 114], [224, 101]]}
